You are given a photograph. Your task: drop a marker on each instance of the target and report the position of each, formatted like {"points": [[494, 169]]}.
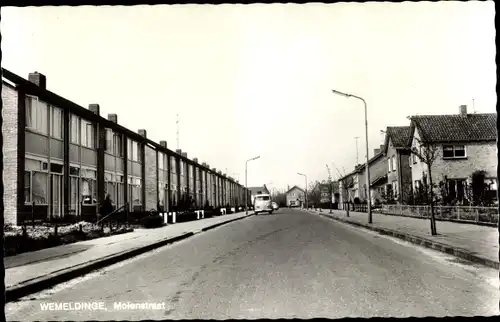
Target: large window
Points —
{"points": [[118, 144], [453, 151], [109, 141], [75, 129], [161, 161], [456, 189], [134, 152], [135, 195], [88, 134], [35, 187], [57, 121], [88, 190], [37, 115]]}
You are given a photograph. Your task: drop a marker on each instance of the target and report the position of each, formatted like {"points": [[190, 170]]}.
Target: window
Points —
{"points": [[27, 186], [389, 165], [109, 141], [88, 135], [118, 144], [161, 161], [39, 187], [415, 159], [57, 121], [75, 129], [453, 151], [456, 189], [133, 151], [172, 165], [36, 115], [393, 163], [418, 184]]}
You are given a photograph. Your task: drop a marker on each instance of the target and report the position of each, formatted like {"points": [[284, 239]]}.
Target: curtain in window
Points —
{"points": [[40, 188], [74, 129], [57, 121], [42, 117]]}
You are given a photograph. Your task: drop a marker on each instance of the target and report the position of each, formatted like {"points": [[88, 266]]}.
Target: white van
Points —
{"points": [[262, 203]]}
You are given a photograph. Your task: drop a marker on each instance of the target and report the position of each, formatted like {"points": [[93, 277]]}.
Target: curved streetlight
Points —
{"points": [[367, 160], [246, 185], [305, 176]]}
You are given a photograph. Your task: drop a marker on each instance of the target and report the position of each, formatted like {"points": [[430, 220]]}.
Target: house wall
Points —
{"points": [[404, 167], [392, 176], [294, 195], [150, 181], [10, 131], [377, 168], [479, 156]]}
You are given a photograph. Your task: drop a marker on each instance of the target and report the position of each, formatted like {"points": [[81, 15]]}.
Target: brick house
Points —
{"points": [[397, 153], [465, 143], [63, 159], [378, 176], [378, 179]]}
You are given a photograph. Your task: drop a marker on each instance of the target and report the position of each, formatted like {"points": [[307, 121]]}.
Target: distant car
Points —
{"points": [[275, 206]]}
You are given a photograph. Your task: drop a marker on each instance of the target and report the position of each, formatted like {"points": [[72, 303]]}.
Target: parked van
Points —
{"points": [[263, 203]]}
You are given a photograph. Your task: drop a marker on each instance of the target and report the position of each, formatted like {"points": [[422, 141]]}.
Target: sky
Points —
{"points": [[256, 80]]}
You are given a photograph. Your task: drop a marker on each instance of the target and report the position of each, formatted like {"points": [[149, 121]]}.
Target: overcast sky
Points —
{"points": [[256, 80]]}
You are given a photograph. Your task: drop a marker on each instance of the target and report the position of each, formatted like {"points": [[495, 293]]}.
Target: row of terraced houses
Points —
{"points": [[63, 159], [465, 143]]}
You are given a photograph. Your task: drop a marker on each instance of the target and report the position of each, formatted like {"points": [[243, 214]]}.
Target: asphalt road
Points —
{"points": [[290, 264]]}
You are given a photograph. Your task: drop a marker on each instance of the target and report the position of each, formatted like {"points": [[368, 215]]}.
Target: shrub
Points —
{"points": [[152, 221]]}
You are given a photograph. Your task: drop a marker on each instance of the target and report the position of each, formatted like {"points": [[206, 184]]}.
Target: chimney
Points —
{"points": [[113, 118], [94, 108], [178, 151], [184, 154], [195, 160], [381, 147], [38, 79], [142, 133], [163, 144], [207, 165], [463, 110], [376, 151]]}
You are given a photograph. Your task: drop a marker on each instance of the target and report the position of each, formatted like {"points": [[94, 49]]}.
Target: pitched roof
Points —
{"points": [[455, 128], [378, 180], [258, 190], [399, 136], [361, 167], [295, 187]]}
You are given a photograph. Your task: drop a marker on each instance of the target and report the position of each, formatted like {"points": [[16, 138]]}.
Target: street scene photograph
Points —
{"points": [[200, 161]]}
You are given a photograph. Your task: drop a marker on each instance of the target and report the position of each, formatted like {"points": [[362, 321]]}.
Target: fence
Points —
{"points": [[488, 215]]}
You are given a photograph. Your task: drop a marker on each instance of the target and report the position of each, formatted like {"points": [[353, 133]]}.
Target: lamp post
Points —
{"points": [[367, 159], [246, 185], [305, 176]]}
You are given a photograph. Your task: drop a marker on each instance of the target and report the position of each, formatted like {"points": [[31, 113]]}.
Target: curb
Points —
{"points": [[41, 283], [451, 250], [223, 223]]}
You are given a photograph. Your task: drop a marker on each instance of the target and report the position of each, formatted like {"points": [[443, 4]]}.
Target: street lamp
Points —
{"points": [[367, 160], [246, 185], [301, 174]]}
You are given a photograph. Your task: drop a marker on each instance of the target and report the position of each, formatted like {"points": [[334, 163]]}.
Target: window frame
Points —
{"points": [[454, 149], [53, 110], [34, 112]]}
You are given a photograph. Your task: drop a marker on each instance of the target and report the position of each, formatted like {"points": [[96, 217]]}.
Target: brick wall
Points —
{"points": [[9, 150], [150, 182], [480, 156]]}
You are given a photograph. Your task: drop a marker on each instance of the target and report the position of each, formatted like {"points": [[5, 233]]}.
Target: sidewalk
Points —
{"points": [[25, 273], [475, 243]]}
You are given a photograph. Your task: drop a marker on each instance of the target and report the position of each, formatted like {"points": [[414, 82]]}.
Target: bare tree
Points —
{"points": [[427, 153], [347, 183]]}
